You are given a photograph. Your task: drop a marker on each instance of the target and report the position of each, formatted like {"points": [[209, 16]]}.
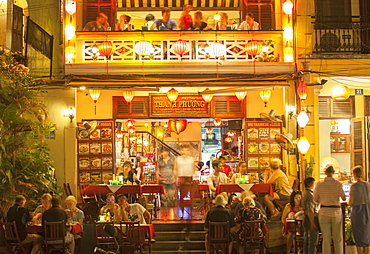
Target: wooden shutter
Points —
{"points": [[357, 142], [263, 11], [329, 108], [17, 30], [227, 107], [335, 12], [93, 7], [139, 107]]}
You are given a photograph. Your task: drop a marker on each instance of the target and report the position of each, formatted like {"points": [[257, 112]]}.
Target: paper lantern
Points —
{"points": [[207, 97], [240, 95], [340, 93], [131, 130], [130, 123], [288, 7], [172, 94], [231, 133], [217, 17], [302, 90], [303, 145], [303, 119], [180, 47], [132, 137], [265, 96], [217, 49], [217, 122], [119, 134], [209, 130], [228, 139], [128, 95], [253, 48], [106, 48], [94, 94], [70, 32], [143, 48], [288, 55], [288, 33], [70, 54], [177, 126], [71, 7]]}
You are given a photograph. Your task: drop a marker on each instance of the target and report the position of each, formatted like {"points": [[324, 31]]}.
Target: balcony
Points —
{"points": [[164, 61]]}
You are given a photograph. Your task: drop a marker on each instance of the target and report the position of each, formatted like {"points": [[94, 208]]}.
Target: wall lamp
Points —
{"points": [[70, 113]]}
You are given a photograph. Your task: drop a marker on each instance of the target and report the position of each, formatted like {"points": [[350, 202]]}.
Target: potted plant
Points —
{"points": [[350, 241]]}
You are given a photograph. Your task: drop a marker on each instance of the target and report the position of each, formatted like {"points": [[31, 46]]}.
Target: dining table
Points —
{"points": [[155, 190], [76, 229], [148, 229], [263, 188]]}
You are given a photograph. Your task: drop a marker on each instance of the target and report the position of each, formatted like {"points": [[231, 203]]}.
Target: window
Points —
{"points": [[333, 13], [263, 11]]}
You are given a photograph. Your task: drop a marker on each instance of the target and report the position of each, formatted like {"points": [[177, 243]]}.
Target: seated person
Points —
{"points": [[185, 19], [165, 21], [282, 188], [198, 23], [21, 216], [216, 177], [131, 212], [218, 213], [226, 169], [100, 24], [223, 23], [129, 174], [149, 18], [249, 23], [240, 175], [110, 206], [248, 213], [55, 214], [45, 205], [124, 23], [75, 215]]}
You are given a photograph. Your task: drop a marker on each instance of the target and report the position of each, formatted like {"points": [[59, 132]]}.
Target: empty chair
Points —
{"points": [[134, 237]]}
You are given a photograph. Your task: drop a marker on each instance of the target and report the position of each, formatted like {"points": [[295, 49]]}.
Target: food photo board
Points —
{"points": [[261, 145], [95, 151]]}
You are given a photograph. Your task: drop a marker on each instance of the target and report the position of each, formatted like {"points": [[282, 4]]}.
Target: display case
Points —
{"points": [[148, 172], [339, 143]]}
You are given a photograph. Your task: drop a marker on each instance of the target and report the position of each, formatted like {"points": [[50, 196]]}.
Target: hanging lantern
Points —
{"points": [[132, 137], [209, 130], [288, 7], [303, 119], [130, 123], [106, 48], [231, 133], [128, 95], [228, 139], [180, 47], [207, 97], [288, 33], [288, 55], [131, 130], [70, 32], [240, 95], [217, 122], [340, 93], [94, 94], [217, 49], [217, 17], [303, 145], [253, 48], [177, 126], [143, 48], [70, 54], [172, 94], [119, 134], [71, 7], [265, 96], [302, 91]]}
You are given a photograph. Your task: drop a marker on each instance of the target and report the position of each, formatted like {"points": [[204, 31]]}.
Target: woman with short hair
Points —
{"points": [[45, 205]]}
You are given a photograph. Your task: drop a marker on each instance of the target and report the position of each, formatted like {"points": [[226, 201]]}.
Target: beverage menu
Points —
{"points": [[261, 145], [95, 151]]}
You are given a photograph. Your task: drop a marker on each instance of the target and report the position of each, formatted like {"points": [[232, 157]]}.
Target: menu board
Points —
{"points": [[95, 151], [261, 145]]}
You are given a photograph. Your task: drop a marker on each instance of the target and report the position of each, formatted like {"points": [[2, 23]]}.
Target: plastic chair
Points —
{"points": [[12, 239], [134, 237], [54, 236], [253, 235], [219, 237]]}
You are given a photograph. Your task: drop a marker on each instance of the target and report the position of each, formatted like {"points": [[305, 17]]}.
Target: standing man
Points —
{"points": [[328, 193], [166, 177], [311, 220], [21, 216], [217, 177]]}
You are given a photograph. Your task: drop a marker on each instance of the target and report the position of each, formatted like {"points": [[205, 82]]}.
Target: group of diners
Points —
{"points": [[185, 22]]}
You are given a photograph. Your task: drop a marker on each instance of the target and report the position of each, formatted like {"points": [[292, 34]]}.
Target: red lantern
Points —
{"points": [[228, 139], [207, 97], [172, 94], [106, 48], [231, 133], [209, 130], [130, 123], [253, 48], [177, 126], [180, 47], [217, 122], [131, 130], [302, 90]]}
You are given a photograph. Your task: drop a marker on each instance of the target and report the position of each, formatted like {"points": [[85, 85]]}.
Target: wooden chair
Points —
{"points": [[12, 240], [67, 189], [253, 236], [134, 237], [103, 240], [219, 237], [298, 236], [54, 236]]}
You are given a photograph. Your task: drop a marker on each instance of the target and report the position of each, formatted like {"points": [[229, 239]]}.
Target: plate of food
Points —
{"points": [[273, 132], [275, 149], [107, 162], [95, 134], [253, 162], [96, 162], [95, 148], [84, 163], [264, 148], [83, 134], [252, 133], [83, 148], [252, 147], [107, 148], [106, 133], [264, 162], [84, 177]]}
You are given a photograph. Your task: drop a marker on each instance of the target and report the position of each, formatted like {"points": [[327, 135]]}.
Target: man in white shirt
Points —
{"points": [[127, 211], [216, 177], [328, 193]]}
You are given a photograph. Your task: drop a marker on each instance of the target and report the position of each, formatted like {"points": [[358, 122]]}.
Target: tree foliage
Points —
{"points": [[25, 165]]}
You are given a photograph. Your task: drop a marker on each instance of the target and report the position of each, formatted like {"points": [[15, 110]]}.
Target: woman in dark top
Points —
{"points": [[198, 23]]}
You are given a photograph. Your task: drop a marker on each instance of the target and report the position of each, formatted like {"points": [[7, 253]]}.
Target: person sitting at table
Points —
{"points": [[129, 174], [246, 194], [110, 206], [21, 216], [74, 214], [240, 175], [185, 19], [149, 18], [198, 23], [45, 205], [290, 210], [55, 214], [165, 23], [100, 24], [226, 169], [223, 23], [131, 212], [216, 177], [249, 23], [248, 213], [124, 23], [282, 189]]}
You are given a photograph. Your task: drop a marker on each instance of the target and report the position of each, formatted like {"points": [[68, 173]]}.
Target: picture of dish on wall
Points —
{"points": [[273, 132], [275, 149], [83, 134], [252, 133], [83, 148], [264, 148], [264, 162], [107, 176], [96, 177], [84, 163], [107, 147], [253, 162], [95, 148], [107, 162], [84, 177], [106, 133], [95, 162], [95, 134], [252, 148]]}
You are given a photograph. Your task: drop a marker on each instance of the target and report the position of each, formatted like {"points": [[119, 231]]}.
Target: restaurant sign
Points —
{"points": [[186, 105]]}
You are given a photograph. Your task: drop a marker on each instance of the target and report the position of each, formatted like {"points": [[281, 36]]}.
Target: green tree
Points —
{"points": [[25, 165]]}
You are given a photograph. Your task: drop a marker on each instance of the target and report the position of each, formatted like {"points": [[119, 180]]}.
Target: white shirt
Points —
{"points": [[214, 180], [139, 211], [245, 26]]}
